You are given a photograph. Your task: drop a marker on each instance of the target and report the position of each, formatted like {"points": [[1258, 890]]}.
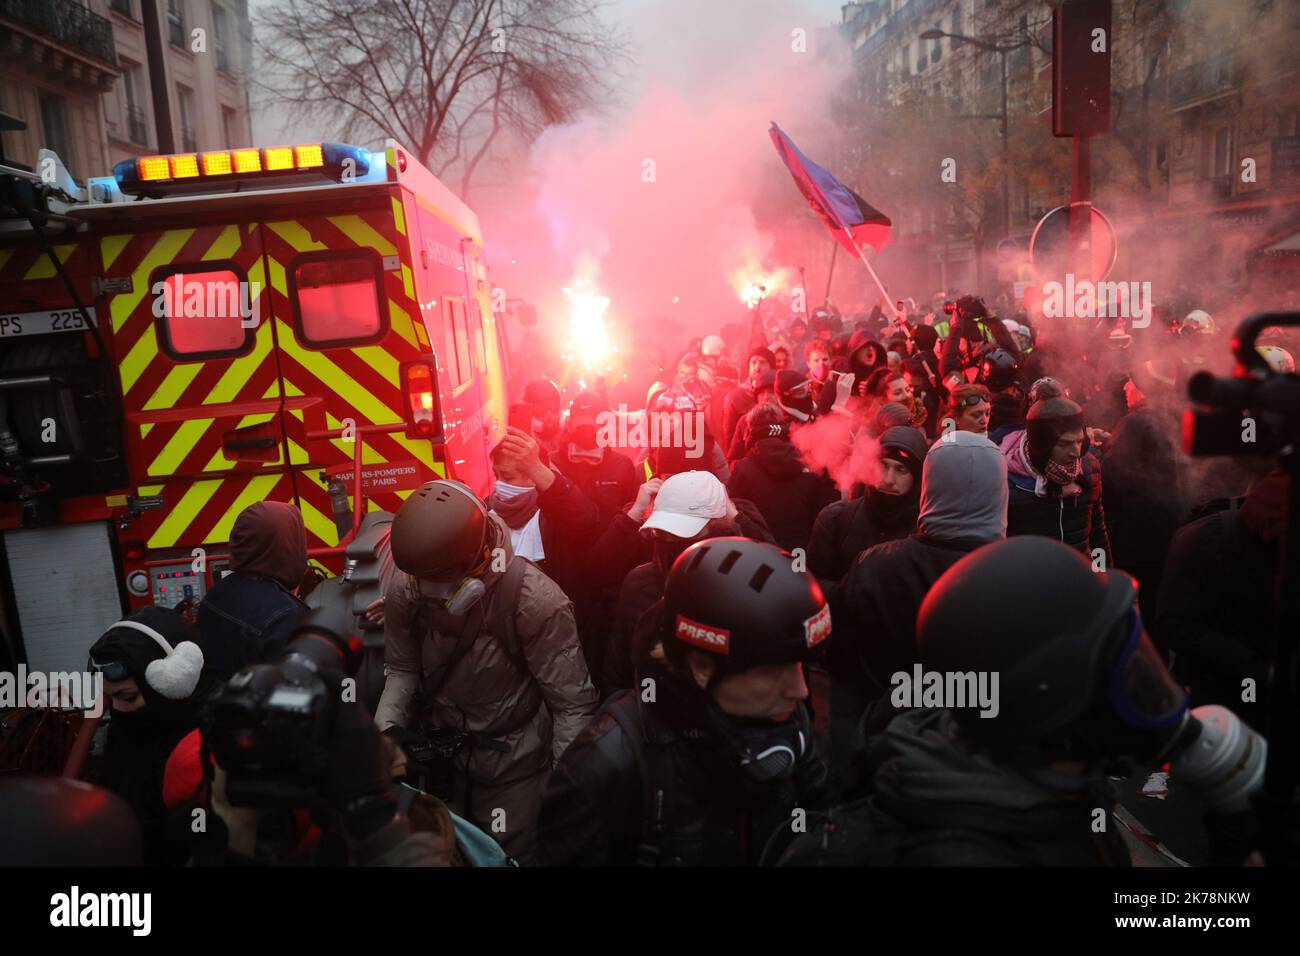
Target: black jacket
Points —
{"points": [[844, 529], [245, 619], [595, 809], [1215, 611], [1141, 494], [937, 803], [1077, 520], [874, 607], [739, 402], [643, 586], [610, 485], [774, 478]]}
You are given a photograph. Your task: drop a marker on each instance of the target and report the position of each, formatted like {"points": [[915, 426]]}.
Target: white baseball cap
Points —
{"points": [[686, 502]]}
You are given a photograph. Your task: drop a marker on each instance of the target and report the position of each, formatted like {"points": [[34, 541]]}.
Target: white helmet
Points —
{"points": [[712, 345], [1278, 358], [1198, 320]]}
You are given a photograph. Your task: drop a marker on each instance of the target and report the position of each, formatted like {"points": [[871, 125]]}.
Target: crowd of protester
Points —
{"points": [[631, 683]]}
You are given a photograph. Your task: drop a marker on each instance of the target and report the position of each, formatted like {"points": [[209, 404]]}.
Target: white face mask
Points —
{"points": [[507, 492]]}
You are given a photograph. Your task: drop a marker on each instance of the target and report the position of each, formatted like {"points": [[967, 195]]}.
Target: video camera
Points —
{"points": [[1255, 411], [270, 726]]}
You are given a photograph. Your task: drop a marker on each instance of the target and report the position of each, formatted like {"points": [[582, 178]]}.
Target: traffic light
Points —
{"points": [[1081, 45]]}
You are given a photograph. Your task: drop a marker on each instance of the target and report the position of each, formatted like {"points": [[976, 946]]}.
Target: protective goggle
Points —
{"points": [[112, 670], [969, 401], [1142, 691]]}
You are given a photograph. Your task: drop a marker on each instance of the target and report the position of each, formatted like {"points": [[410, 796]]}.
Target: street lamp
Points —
{"points": [[1001, 49]]}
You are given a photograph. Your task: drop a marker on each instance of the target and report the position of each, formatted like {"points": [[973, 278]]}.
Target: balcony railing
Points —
{"points": [[1212, 77], [66, 22]]}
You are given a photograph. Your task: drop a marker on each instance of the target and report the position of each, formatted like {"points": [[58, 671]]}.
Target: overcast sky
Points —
{"points": [[685, 44]]}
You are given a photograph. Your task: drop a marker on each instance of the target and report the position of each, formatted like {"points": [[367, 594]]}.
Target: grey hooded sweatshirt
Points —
{"points": [[874, 607]]}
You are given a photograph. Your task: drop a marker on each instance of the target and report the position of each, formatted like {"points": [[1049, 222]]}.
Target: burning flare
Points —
{"points": [[589, 345]]}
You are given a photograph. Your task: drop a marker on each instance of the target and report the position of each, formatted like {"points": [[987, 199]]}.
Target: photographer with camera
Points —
{"points": [[486, 680], [713, 749], [294, 769]]}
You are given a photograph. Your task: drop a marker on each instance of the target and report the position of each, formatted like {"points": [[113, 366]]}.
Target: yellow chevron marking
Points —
{"points": [[173, 386], [256, 491], [336, 380], [110, 247], [137, 360], [296, 235], [419, 447], [226, 245], [219, 462], [319, 525], [407, 284], [241, 370], [378, 359], [297, 454], [363, 234], [178, 446], [163, 252], [401, 323], [183, 512], [7, 254], [145, 490], [145, 429], [43, 268], [399, 216], [278, 282]]}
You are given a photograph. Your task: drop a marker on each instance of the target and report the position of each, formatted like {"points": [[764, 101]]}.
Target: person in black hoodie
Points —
{"points": [[864, 356], [155, 683], [773, 476], [606, 476], [963, 506], [1055, 480], [887, 511]]}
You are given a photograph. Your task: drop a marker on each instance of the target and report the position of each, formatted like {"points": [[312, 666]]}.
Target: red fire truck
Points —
{"points": [[197, 332]]}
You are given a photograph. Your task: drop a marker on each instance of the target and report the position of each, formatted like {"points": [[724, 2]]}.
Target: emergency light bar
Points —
{"points": [[334, 160]]}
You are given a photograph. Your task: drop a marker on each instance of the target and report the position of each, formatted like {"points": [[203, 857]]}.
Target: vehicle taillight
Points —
{"points": [[423, 417]]}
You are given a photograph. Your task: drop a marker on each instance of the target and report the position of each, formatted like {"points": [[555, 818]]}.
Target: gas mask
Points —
{"points": [[767, 751], [583, 447], [1140, 710], [456, 597]]}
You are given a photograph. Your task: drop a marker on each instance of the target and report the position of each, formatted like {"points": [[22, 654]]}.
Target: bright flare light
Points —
{"points": [[588, 337], [753, 294]]}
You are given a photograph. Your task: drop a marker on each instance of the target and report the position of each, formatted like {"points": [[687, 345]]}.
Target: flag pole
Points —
{"points": [[898, 316]]}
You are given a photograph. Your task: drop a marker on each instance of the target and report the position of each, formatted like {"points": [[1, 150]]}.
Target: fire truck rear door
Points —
{"points": [[200, 385]]}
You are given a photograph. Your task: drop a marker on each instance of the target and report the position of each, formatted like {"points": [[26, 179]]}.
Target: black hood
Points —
{"points": [[777, 457]]}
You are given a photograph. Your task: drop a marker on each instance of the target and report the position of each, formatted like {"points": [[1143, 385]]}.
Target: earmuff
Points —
{"points": [[175, 675]]}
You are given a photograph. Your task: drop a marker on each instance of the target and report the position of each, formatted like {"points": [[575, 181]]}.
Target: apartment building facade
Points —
{"points": [[79, 75]]}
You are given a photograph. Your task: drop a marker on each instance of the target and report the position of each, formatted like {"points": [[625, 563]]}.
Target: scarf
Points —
{"points": [[516, 504], [1017, 452]]}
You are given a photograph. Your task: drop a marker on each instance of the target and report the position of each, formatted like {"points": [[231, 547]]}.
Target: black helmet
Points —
{"points": [[55, 821], [794, 394], [1077, 674], [741, 601], [998, 370], [542, 391], [440, 531]]}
